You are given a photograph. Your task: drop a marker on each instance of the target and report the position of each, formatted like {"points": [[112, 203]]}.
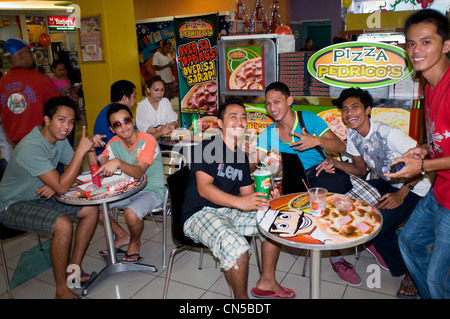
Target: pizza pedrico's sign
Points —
{"points": [[196, 47], [360, 64]]}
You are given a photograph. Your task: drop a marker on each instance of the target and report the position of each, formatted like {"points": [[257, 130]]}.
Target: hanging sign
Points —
{"points": [[197, 63], [61, 23], [360, 64]]}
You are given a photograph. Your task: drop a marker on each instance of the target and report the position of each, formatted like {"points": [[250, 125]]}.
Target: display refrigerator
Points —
{"points": [[247, 65]]}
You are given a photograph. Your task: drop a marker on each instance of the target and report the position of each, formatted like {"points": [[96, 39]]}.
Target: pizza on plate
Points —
{"points": [[248, 76]]}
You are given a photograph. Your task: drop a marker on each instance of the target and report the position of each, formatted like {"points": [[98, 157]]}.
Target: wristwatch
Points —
{"points": [[409, 186]]}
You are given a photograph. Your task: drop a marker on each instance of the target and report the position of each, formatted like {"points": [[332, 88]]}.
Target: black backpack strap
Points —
{"points": [[302, 125]]}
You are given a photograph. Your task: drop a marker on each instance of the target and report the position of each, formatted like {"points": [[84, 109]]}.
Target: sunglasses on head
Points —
{"points": [[117, 124]]}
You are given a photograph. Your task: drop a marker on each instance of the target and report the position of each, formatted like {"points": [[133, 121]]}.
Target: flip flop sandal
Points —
{"points": [[126, 258], [91, 278], [105, 252], [258, 293], [406, 284]]}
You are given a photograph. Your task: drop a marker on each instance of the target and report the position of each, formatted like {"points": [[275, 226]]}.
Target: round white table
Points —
{"points": [[75, 197], [288, 221]]}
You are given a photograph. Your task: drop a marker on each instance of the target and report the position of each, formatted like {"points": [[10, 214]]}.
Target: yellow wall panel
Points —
{"points": [[389, 19], [119, 50]]}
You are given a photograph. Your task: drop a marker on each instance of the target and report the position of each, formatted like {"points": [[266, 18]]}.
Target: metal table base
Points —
{"points": [[113, 266]]}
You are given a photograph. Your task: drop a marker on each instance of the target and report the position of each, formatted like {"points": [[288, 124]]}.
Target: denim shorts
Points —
{"points": [[140, 203], [37, 216]]}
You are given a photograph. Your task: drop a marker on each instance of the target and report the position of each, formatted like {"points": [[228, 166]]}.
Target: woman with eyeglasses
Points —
{"points": [[155, 114]]}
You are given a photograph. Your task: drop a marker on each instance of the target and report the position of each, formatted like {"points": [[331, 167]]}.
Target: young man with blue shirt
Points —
{"points": [[287, 135], [123, 92]]}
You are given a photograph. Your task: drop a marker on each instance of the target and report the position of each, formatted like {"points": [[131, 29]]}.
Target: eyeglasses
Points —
{"points": [[127, 121]]}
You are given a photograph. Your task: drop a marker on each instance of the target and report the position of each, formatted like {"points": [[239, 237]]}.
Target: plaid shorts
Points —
{"points": [[223, 231], [37, 216]]}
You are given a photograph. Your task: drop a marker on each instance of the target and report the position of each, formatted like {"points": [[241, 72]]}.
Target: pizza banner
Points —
{"points": [[197, 65], [360, 64]]}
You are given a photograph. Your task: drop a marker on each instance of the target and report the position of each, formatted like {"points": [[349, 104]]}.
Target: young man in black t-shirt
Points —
{"points": [[221, 204]]}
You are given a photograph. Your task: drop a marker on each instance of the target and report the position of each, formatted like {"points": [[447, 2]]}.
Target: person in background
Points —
{"points": [[5, 147], [23, 92], [308, 45], [72, 74], [123, 92], [155, 114], [425, 240], [374, 144], [163, 64], [135, 153], [30, 181], [220, 208], [61, 81], [74, 77]]}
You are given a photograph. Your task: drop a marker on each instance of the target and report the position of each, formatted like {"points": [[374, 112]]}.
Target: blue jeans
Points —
{"points": [[425, 247], [386, 242]]}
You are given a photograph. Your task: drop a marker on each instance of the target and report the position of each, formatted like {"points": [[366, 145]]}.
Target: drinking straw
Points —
{"points": [[270, 175], [307, 188]]}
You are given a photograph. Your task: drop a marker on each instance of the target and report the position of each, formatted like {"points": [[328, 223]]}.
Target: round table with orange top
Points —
{"points": [[289, 221]]}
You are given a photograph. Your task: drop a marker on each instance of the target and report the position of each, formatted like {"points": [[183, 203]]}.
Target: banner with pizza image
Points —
{"points": [[197, 65], [245, 67]]}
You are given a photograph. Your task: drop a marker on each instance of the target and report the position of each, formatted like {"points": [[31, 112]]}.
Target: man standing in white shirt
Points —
{"points": [[163, 64]]}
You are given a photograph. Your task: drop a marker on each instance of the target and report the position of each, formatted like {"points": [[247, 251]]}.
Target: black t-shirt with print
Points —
{"points": [[230, 170]]}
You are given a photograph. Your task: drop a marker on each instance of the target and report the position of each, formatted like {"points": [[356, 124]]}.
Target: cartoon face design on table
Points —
{"points": [[292, 223]]}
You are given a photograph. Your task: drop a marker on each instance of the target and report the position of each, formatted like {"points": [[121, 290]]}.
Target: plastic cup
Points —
{"points": [[317, 199], [262, 181]]}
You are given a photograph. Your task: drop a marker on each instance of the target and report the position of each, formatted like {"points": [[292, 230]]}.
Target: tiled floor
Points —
{"points": [[188, 282]]}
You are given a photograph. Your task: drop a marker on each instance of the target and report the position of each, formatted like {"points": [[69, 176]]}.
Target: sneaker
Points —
{"points": [[374, 252], [346, 272]]}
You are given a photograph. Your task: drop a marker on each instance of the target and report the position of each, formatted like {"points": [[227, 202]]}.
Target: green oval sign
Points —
{"points": [[360, 64]]}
